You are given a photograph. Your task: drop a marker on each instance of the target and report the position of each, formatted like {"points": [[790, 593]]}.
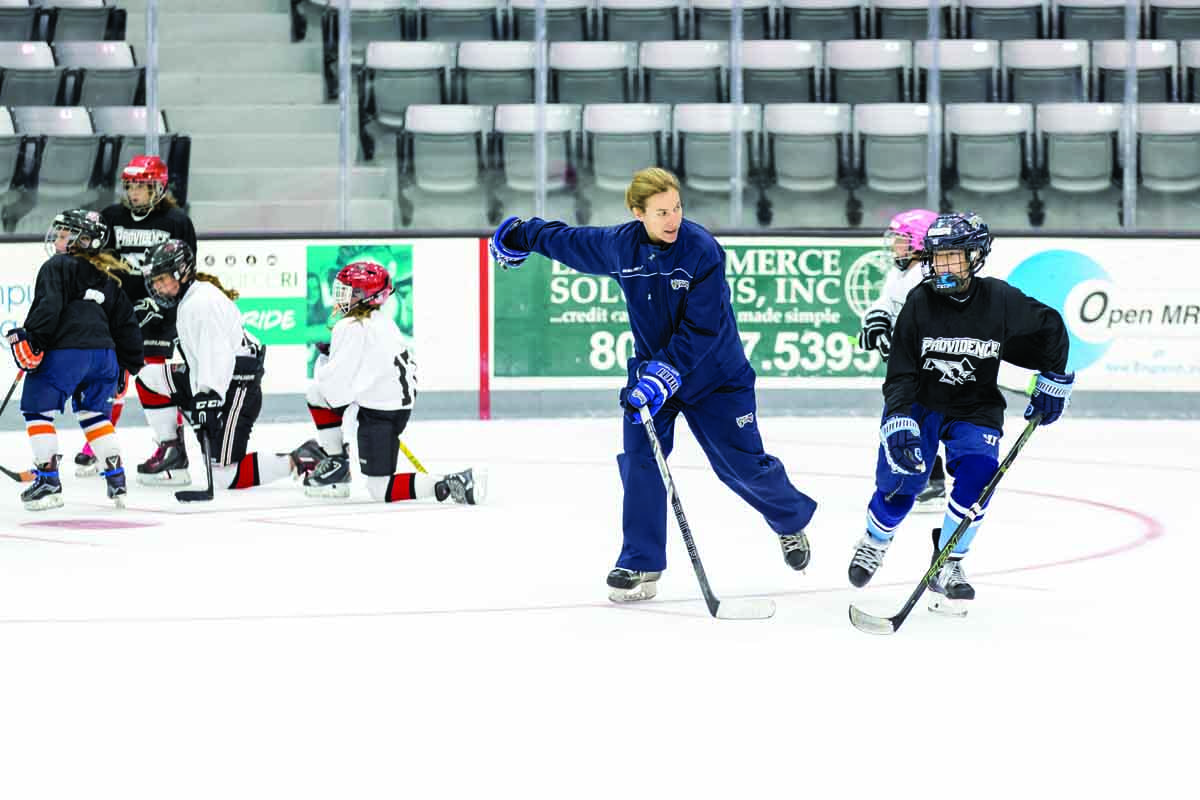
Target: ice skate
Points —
{"points": [[630, 586], [86, 463], [795, 550], [168, 466], [952, 592], [46, 491], [463, 487], [331, 475], [867, 558], [932, 499], [305, 458], [114, 476]]}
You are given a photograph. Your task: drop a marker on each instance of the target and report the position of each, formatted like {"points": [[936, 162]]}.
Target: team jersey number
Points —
{"points": [[406, 371]]}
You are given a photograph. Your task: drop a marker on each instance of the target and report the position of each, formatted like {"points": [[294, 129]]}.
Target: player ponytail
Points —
{"points": [[646, 183], [232, 294], [109, 264]]}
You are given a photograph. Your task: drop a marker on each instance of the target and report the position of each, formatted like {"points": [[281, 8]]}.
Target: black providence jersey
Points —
{"points": [[946, 352], [131, 238]]}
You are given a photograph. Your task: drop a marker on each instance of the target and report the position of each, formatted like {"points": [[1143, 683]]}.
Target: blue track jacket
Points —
{"points": [[677, 296]]}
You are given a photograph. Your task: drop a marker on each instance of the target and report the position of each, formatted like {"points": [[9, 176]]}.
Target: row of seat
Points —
{"points": [[61, 20], [70, 73], [646, 20], [52, 156]]}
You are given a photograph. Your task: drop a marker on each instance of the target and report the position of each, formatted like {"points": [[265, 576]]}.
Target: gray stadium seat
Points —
{"points": [[396, 75], [1169, 162], [1189, 69], [459, 20], [969, 69], [444, 168], [711, 19], [909, 19], [1045, 71], [1173, 19], [1090, 19], [10, 150], [78, 20], [807, 160], [17, 19], [515, 129], [28, 75], [67, 163], [1004, 19], [1078, 158], [370, 21], [782, 71], [702, 136], [566, 20], [822, 20], [618, 140], [990, 159], [127, 125], [593, 72], [101, 73], [237, 217], [869, 70], [891, 144], [684, 72], [1157, 67], [496, 72], [641, 20]]}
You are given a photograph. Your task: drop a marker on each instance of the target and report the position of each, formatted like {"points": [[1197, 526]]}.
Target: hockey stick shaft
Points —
{"points": [[11, 389], [872, 624], [412, 459], [192, 495]]}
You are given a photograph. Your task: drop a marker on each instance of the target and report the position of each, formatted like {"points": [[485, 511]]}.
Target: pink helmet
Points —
{"points": [[905, 235]]}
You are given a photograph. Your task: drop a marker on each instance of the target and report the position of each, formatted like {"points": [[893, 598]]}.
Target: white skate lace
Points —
{"points": [[794, 541], [869, 555], [954, 574]]}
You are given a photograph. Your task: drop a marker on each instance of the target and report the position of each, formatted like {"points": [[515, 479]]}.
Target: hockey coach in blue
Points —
{"points": [[688, 359]]}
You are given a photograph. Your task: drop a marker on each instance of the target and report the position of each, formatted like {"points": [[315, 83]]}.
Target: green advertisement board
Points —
{"points": [[798, 307], [323, 264]]}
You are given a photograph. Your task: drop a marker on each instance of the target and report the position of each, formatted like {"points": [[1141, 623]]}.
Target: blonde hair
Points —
{"points": [[107, 263], [646, 183], [232, 294], [361, 311]]}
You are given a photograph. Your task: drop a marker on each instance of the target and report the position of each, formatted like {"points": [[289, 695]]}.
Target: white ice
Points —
{"points": [[266, 645]]}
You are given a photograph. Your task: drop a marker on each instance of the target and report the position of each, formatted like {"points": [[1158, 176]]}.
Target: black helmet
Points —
{"points": [[950, 232], [87, 229], [172, 257]]}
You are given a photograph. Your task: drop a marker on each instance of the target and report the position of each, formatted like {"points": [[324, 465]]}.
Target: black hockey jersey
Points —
{"points": [[76, 306], [946, 352]]}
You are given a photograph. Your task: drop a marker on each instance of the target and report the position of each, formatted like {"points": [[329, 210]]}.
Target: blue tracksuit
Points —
{"points": [[680, 313]]}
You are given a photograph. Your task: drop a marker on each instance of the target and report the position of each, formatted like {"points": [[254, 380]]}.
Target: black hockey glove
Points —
{"points": [[206, 416], [876, 333]]}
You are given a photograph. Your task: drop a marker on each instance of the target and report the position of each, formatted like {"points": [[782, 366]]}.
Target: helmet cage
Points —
{"points": [[359, 284], [955, 232], [172, 257], [87, 228], [144, 170]]}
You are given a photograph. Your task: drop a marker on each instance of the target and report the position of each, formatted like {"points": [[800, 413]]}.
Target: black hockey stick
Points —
{"points": [[889, 625], [194, 495], [11, 389], [721, 609], [18, 476]]}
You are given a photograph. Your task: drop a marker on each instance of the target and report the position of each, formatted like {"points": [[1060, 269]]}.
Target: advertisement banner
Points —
{"points": [[799, 306]]}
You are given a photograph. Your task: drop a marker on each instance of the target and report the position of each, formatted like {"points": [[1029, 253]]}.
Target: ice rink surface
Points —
{"points": [[267, 645]]}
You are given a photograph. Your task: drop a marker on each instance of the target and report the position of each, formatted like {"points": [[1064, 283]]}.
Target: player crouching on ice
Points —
{"points": [[368, 362], [942, 385]]}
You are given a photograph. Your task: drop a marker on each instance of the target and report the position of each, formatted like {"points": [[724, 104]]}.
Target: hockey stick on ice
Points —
{"points": [[194, 495], [11, 389], [412, 459], [888, 625], [721, 609], [24, 476]]}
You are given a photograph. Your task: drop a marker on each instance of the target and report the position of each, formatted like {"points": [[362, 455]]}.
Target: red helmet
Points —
{"points": [[145, 169], [361, 283]]}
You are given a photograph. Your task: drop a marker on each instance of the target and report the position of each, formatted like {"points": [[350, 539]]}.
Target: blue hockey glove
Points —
{"points": [[901, 439], [505, 256], [876, 333], [206, 416], [1051, 396], [657, 381], [24, 353]]}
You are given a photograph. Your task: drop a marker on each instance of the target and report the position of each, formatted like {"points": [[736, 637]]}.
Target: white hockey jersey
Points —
{"points": [[370, 363], [896, 289], [211, 336]]}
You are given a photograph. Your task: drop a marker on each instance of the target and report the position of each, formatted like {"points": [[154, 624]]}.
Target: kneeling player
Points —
{"points": [[368, 363]]}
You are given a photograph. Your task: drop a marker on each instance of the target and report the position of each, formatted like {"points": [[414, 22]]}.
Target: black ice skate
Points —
{"points": [[463, 487], [305, 458], [795, 550], [114, 476], [330, 477], [168, 466], [933, 497], [630, 586], [86, 463], [867, 559], [950, 585], [46, 491]]}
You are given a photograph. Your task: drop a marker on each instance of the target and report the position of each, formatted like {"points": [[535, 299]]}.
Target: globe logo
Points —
{"points": [[865, 279], [1068, 281]]}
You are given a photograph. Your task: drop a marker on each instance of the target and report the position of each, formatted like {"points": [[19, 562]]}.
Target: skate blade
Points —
{"points": [[945, 607], [171, 477], [333, 490], [45, 503], [643, 591], [934, 505], [86, 472], [478, 494], [118, 501]]}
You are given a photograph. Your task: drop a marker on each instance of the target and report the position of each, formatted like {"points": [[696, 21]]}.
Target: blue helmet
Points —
{"points": [[949, 232]]}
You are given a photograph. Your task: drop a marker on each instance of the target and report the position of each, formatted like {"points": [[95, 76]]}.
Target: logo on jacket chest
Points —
{"points": [[957, 369], [678, 283]]}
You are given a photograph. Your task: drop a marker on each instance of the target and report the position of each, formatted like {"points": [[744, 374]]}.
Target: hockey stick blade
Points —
{"points": [[746, 609], [198, 495], [194, 495], [869, 623], [23, 476]]}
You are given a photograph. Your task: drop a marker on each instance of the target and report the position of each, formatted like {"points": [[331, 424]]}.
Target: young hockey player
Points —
{"points": [[688, 359], [148, 215], [368, 363], [904, 237], [220, 379], [78, 340], [941, 384]]}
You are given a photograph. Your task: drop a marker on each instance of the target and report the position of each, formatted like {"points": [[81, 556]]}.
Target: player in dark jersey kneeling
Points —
{"points": [[941, 384]]}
